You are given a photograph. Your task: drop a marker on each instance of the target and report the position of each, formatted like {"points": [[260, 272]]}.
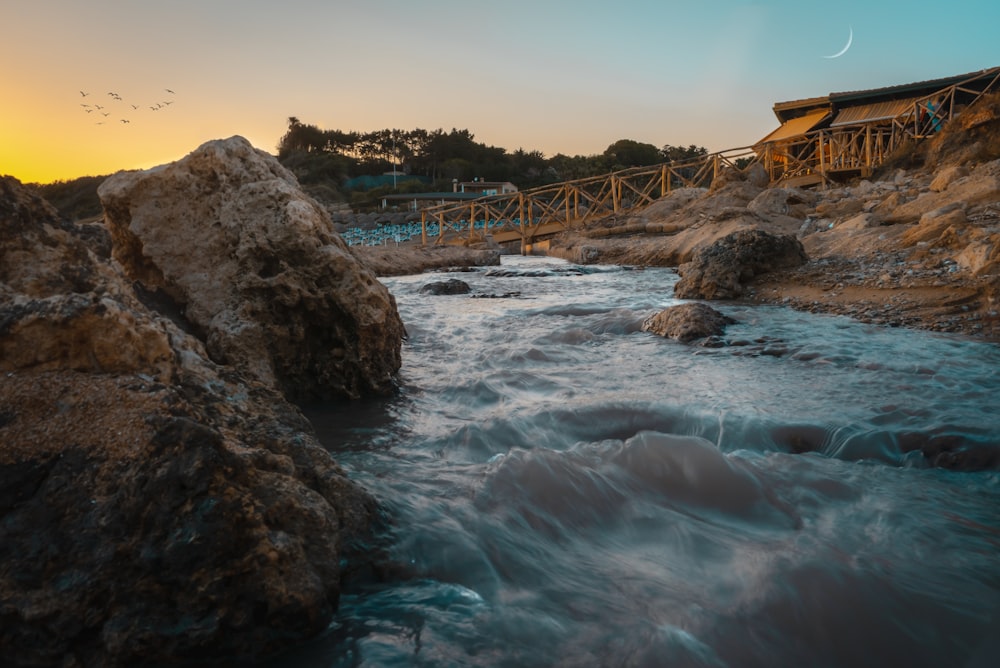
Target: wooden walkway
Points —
{"points": [[812, 158]]}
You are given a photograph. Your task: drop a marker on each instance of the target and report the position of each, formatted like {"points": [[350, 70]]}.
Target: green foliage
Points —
{"points": [[76, 199], [626, 153], [455, 154], [682, 154]]}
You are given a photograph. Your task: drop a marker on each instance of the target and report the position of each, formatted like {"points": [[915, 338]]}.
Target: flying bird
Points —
{"points": [[124, 120], [84, 94], [135, 106], [169, 91]]}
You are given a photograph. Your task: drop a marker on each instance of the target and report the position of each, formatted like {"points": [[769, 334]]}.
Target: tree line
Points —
{"points": [[323, 160]]}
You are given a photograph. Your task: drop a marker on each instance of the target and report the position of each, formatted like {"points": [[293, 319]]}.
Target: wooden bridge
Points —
{"points": [[793, 158]]}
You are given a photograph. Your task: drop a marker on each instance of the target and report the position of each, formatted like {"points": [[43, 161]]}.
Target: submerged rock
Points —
{"points": [[452, 286], [256, 268], [687, 322], [155, 506]]}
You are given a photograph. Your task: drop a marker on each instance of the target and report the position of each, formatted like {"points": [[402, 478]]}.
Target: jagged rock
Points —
{"points": [[862, 221], [947, 176], [757, 175], [687, 322], [793, 202], [718, 271], [452, 286], [981, 186], [154, 506], [677, 199], [257, 269]]}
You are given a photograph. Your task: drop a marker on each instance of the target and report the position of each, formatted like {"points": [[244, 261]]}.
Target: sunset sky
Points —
{"points": [[556, 76]]}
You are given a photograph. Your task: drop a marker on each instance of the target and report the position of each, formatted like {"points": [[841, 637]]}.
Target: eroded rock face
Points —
{"points": [[687, 322], [154, 506], [719, 271], [258, 270]]}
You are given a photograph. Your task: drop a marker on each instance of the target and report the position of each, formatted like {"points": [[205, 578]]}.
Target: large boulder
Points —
{"points": [[155, 507], [257, 270], [720, 270]]}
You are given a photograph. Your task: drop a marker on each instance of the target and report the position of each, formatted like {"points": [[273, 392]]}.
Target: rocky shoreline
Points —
{"points": [[162, 498]]}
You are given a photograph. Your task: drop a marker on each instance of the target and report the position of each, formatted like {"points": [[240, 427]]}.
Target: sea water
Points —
{"points": [[567, 490]]}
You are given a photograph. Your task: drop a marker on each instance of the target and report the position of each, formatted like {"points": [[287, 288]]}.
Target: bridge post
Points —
{"points": [[822, 164], [566, 206], [472, 222], [868, 146], [615, 194], [423, 228], [664, 181]]}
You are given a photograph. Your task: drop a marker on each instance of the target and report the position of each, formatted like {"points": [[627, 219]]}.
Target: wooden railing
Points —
{"points": [[570, 204], [813, 157]]}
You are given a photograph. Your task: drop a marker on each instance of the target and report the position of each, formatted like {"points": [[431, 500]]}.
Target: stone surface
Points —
{"points": [[256, 268], [687, 322], [154, 506], [719, 271]]}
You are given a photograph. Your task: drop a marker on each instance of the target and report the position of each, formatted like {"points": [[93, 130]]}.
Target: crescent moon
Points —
{"points": [[850, 38]]}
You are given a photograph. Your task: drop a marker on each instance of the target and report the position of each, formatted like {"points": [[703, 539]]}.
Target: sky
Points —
{"points": [[556, 76]]}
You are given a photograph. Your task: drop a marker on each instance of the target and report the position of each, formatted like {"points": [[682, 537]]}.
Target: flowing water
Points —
{"points": [[567, 490]]}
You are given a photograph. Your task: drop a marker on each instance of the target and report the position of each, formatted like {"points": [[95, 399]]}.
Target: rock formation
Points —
{"points": [[257, 270], [720, 270], [155, 505], [687, 322]]}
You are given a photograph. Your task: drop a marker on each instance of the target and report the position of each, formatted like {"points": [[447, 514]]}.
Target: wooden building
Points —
{"points": [[849, 134]]}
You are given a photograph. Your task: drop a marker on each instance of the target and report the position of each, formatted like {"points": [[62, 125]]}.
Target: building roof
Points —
{"points": [[911, 89], [797, 126], [786, 111]]}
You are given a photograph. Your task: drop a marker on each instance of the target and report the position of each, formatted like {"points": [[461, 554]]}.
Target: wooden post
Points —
{"points": [[868, 146], [472, 222], [520, 212], [524, 229], [615, 195], [566, 203], [423, 228], [822, 162]]}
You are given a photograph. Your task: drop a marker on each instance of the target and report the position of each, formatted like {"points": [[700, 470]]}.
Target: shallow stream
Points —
{"points": [[570, 491]]}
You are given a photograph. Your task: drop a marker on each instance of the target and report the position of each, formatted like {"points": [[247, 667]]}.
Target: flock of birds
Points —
{"points": [[105, 112]]}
